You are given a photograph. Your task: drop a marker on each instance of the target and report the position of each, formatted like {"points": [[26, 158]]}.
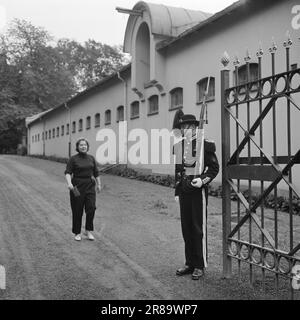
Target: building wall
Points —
{"points": [[35, 142], [199, 57], [109, 98], [184, 64]]}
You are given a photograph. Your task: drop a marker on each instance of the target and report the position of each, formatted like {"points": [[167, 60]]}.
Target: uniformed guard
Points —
{"points": [[82, 175], [192, 191]]}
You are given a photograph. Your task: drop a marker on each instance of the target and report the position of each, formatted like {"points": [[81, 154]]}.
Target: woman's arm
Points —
{"points": [[68, 172], [69, 182], [99, 186], [97, 176]]}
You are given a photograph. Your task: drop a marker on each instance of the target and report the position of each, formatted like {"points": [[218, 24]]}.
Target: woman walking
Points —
{"points": [[82, 175]]}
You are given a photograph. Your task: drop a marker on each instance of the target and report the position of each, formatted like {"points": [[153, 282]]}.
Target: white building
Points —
{"points": [[174, 51]]}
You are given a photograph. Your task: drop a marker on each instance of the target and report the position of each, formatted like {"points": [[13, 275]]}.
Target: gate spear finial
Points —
{"points": [[236, 60], [287, 43], [273, 47], [247, 57], [260, 51]]}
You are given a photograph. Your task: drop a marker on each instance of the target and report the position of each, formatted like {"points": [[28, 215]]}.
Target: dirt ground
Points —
{"points": [[137, 249]]}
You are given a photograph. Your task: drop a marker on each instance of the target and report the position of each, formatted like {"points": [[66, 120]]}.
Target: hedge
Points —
{"points": [[282, 203]]}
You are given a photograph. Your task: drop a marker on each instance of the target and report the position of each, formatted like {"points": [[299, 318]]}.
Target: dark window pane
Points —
{"points": [[135, 109], [153, 104], [176, 98]]}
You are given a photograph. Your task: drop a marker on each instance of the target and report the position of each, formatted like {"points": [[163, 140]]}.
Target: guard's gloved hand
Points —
{"points": [[197, 183]]}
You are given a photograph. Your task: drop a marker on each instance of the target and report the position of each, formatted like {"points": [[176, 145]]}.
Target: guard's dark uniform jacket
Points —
{"points": [[211, 164], [83, 169], [193, 205]]}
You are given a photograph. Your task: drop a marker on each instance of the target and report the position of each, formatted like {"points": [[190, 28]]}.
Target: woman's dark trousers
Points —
{"points": [[85, 202]]}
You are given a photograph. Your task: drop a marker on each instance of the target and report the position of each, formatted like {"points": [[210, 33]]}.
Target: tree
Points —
{"points": [[32, 77], [91, 62], [43, 82], [10, 138], [37, 73]]}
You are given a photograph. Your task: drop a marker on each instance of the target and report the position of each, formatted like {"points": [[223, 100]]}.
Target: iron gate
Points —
{"points": [[254, 165]]}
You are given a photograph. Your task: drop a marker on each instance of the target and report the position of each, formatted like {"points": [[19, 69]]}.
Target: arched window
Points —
{"points": [[43, 136], [142, 54], [120, 113], [134, 110], [202, 87], [153, 105], [176, 98], [97, 120], [88, 122], [53, 133], [73, 127], [80, 125], [46, 135], [57, 131], [107, 117], [49, 135], [68, 129], [62, 130]]}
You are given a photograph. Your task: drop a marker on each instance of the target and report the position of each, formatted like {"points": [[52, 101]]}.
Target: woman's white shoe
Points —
{"points": [[77, 237], [89, 235]]}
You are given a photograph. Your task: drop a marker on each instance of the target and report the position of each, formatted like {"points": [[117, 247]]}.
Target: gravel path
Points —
{"points": [[137, 249]]}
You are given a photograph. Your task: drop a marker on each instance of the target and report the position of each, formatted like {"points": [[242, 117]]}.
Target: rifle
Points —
{"points": [[199, 165]]}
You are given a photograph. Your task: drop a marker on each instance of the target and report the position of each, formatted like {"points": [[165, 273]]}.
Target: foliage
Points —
{"points": [[50, 158], [91, 62], [282, 203], [9, 139], [37, 73], [35, 78]]}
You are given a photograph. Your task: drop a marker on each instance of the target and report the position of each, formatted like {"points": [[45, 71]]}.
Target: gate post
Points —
{"points": [[226, 202]]}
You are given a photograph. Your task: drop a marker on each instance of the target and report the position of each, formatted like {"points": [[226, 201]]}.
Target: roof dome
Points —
{"points": [[165, 21]]}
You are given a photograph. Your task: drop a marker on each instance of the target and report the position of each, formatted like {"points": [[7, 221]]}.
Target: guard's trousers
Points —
{"points": [[193, 212], [85, 202]]}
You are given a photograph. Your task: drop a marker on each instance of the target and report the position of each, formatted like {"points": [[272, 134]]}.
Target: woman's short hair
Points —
{"points": [[82, 139]]}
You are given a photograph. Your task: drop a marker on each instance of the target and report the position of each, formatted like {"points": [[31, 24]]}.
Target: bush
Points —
{"points": [[216, 191], [22, 151], [51, 158], [282, 203]]}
